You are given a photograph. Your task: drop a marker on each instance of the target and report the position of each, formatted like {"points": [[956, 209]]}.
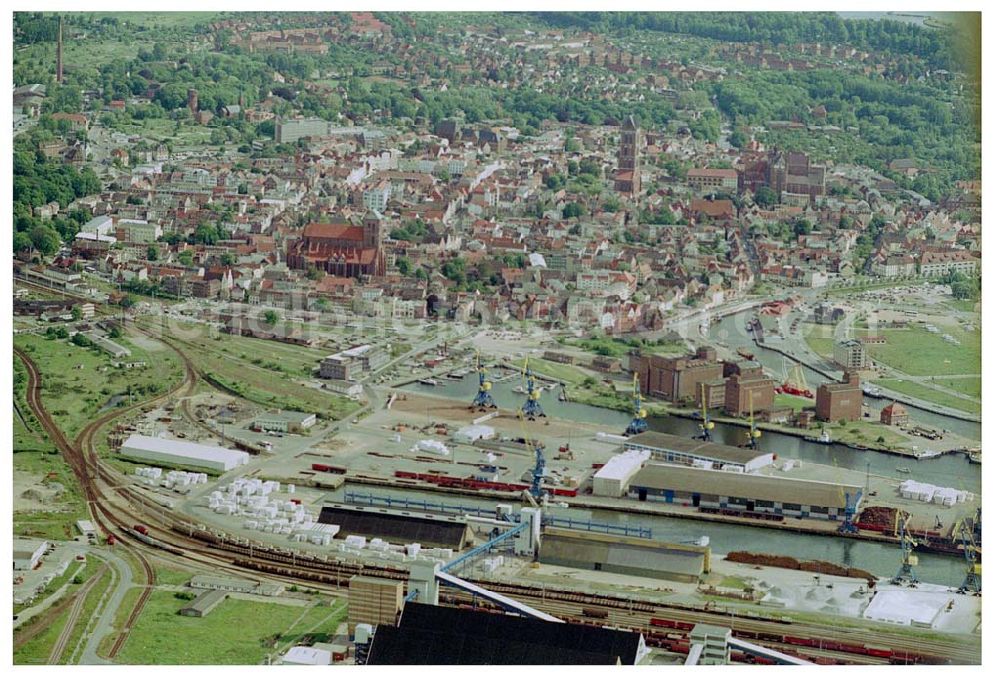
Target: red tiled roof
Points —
{"points": [[334, 231]]}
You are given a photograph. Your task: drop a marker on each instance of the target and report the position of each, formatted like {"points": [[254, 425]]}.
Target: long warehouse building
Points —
{"points": [[677, 450], [741, 492], [643, 557], [171, 452]]}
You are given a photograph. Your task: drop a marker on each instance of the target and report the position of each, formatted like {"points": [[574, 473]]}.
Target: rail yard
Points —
{"points": [[374, 452]]}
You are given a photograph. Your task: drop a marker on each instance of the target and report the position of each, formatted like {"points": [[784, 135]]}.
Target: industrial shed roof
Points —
{"points": [[185, 449], [396, 526], [707, 449], [204, 603], [441, 635], [627, 555], [738, 485]]}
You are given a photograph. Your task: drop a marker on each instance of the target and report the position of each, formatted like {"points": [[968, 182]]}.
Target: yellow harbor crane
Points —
{"points": [[753, 435], [638, 423], [973, 582], [706, 426], [484, 399], [905, 574]]}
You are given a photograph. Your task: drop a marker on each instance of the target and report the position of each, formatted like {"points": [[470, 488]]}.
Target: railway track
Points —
{"points": [[55, 655], [106, 519], [179, 537]]}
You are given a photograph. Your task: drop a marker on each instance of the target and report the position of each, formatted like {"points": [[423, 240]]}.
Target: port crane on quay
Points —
{"points": [[753, 434], [484, 399], [706, 426], [973, 583], [850, 508], [905, 574], [638, 423], [532, 408]]}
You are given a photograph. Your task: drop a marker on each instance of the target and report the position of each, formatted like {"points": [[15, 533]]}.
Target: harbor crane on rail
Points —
{"points": [[753, 435], [484, 399], [850, 507], [532, 408], [638, 423], [706, 426], [536, 493], [973, 583], [905, 574]]}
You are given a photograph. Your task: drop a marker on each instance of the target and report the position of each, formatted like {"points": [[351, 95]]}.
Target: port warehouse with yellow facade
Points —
{"points": [[171, 452]]}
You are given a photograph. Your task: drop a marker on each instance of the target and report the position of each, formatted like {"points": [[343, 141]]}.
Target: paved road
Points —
{"points": [[105, 623]]}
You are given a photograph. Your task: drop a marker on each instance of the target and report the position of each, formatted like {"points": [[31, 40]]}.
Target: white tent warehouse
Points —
{"points": [[172, 452]]}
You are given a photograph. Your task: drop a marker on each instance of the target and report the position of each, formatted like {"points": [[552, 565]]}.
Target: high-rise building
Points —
{"points": [[628, 178]]}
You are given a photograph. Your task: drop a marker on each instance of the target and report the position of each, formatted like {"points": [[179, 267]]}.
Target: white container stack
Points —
{"points": [[941, 495], [263, 510], [430, 446], [149, 475]]}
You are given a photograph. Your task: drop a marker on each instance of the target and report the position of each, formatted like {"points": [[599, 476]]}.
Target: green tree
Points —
{"points": [[45, 239], [572, 210], [81, 340], [271, 317], [22, 242], [152, 253], [185, 257], [765, 196]]}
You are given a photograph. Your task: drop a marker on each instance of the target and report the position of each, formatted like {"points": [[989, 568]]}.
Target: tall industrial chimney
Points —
{"points": [[59, 62]]}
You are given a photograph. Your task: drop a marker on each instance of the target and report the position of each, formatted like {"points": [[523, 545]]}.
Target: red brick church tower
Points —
{"points": [[628, 179]]}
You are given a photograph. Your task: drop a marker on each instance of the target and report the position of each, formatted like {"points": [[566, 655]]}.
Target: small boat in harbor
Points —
{"points": [[823, 438], [428, 381], [903, 470], [871, 390]]}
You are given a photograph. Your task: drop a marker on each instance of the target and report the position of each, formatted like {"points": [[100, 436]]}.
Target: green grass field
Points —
{"points": [[795, 403], [160, 19], [972, 387], [265, 372], [619, 347], [37, 650], [915, 389], [918, 352], [34, 453], [162, 129], [868, 433], [77, 382], [236, 632], [819, 337], [567, 373], [964, 305]]}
